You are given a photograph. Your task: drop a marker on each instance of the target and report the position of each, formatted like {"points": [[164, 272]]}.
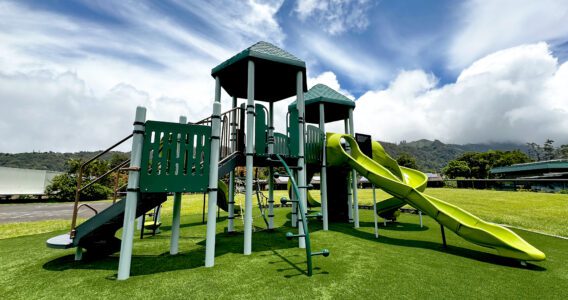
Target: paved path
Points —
{"points": [[10, 213]]}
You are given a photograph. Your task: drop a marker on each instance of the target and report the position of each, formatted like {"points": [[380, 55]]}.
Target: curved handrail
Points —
{"points": [[304, 222], [80, 181], [89, 207]]}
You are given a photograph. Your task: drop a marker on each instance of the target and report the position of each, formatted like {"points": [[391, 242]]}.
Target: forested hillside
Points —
{"points": [[52, 161], [431, 156]]}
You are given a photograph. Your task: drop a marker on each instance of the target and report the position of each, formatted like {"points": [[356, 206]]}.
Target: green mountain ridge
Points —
{"points": [[431, 156]]}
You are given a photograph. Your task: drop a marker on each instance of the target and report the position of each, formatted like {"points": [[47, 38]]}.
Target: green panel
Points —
{"points": [[175, 157], [260, 129], [314, 145], [293, 134], [281, 144]]}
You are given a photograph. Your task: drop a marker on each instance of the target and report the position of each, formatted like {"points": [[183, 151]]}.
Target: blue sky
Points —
{"points": [[457, 71]]}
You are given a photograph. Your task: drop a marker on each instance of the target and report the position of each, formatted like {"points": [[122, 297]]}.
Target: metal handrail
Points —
{"points": [[80, 182], [104, 175], [89, 207]]}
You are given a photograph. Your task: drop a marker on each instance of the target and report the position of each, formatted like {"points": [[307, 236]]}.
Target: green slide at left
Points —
{"points": [[504, 241]]}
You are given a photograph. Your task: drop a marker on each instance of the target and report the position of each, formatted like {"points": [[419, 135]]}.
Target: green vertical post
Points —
{"points": [[301, 160], [132, 195], [231, 218], [176, 218], [213, 177], [349, 186], [354, 175], [294, 219], [271, 169], [249, 159], [323, 172]]}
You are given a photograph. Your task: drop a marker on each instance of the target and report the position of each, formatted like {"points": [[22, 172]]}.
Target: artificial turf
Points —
{"points": [[406, 261]]}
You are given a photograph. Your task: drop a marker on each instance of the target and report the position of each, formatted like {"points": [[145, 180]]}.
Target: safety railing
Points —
{"points": [[304, 220], [80, 186], [229, 141], [314, 144]]}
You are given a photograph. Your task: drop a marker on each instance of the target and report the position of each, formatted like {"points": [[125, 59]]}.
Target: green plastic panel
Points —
{"points": [[281, 144], [314, 145], [293, 131], [260, 129], [175, 157]]}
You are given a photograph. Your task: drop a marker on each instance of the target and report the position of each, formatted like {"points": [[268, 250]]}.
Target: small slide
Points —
{"points": [[97, 234], [504, 241]]}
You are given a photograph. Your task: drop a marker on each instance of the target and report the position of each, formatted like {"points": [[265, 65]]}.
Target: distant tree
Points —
{"points": [[535, 151], [480, 163], [63, 187], [548, 149], [406, 160], [456, 168], [117, 158], [563, 152]]}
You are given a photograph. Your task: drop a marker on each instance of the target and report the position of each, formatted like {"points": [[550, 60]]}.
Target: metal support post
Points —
{"points": [[375, 213], [176, 218], [249, 159], [213, 177], [132, 195], [231, 218], [323, 172], [301, 160], [271, 169], [349, 185], [354, 180]]}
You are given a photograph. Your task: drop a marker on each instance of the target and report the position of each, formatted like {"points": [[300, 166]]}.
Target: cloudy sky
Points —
{"points": [[72, 72]]}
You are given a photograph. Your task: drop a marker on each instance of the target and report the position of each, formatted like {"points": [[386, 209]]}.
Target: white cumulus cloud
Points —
{"points": [[517, 94], [488, 26], [335, 16]]}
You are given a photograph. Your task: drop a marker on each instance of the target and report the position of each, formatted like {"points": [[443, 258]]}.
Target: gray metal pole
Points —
{"points": [[176, 218], [375, 212], [354, 180], [301, 160], [213, 177], [349, 186], [271, 169], [323, 172], [249, 159], [132, 195], [293, 197], [231, 218]]}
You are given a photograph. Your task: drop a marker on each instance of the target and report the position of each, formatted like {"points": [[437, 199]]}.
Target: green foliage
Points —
{"points": [[547, 151], [406, 160], [457, 168], [63, 187], [480, 163]]}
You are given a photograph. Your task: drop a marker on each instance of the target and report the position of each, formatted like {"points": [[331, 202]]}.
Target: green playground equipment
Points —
{"points": [[407, 189], [198, 157]]}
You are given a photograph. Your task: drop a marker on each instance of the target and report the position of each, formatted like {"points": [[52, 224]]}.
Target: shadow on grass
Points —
{"points": [[453, 250], [195, 258], [396, 226]]}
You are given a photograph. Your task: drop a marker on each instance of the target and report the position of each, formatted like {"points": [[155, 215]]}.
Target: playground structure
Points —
{"points": [[193, 157]]}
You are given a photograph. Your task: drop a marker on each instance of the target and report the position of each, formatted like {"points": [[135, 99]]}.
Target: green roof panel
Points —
{"points": [[551, 165], [275, 72], [336, 105]]}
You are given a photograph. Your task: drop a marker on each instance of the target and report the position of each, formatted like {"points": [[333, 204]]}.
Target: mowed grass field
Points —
{"points": [[406, 261]]}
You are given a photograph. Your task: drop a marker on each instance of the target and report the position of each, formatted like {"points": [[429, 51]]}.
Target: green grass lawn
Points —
{"points": [[405, 262]]}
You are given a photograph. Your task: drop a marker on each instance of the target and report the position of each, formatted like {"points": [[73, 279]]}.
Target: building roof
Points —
{"points": [[336, 105], [275, 73], [540, 166], [15, 181]]}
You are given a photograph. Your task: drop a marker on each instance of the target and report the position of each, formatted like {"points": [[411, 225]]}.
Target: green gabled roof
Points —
{"points": [[336, 105], [545, 166], [275, 72], [262, 50]]}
